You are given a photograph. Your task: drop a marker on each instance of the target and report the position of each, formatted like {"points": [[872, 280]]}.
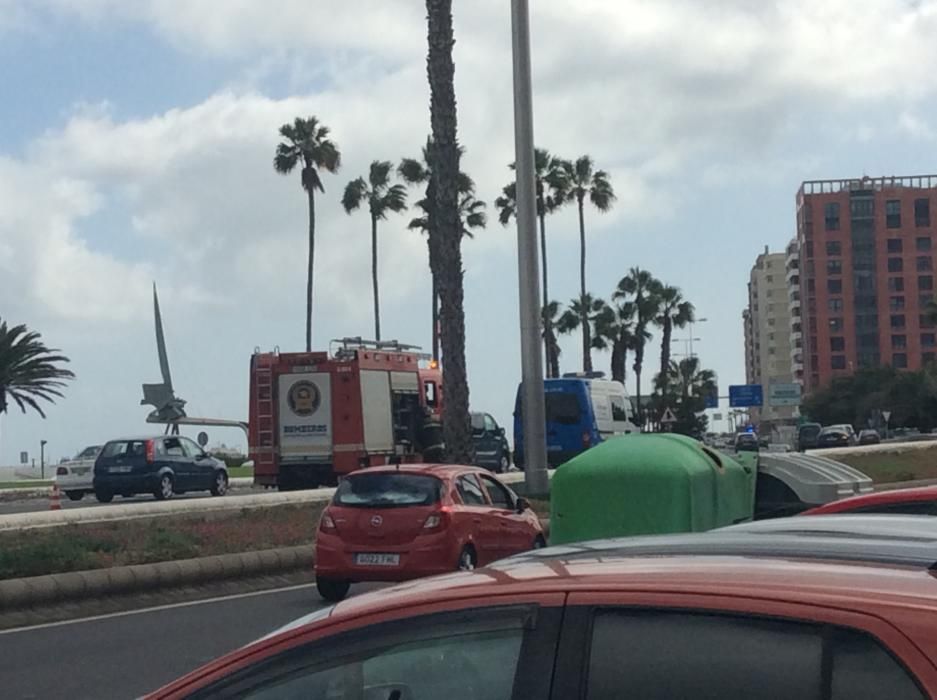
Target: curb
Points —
{"points": [[43, 491], [77, 585]]}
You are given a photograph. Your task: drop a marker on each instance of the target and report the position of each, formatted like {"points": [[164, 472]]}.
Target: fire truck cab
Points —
{"points": [[315, 416]]}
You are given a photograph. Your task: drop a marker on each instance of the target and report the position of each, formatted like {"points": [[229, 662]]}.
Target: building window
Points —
{"points": [[769, 278], [894, 245], [897, 321], [834, 286], [768, 293], [895, 265], [923, 244], [928, 340], [863, 282], [896, 284], [812, 325], [893, 213], [836, 325], [834, 267], [924, 263], [831, 216], [837, 344], [922, 213], [927, 358], [899, 360], [838, 361], [925, 283], [924, 301], [770, 321], [896, 303], [811, 286], [835, 305], [808, 249], [899, 342], [834, 248], [925, 322]]}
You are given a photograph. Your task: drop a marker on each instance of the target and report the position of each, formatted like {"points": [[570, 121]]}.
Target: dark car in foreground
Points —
{"points": [[163, 465], [730, 615]]}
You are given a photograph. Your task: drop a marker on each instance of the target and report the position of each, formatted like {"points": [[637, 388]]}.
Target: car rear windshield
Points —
{"points": [[562, 408], [388, 490], [124, 447]]}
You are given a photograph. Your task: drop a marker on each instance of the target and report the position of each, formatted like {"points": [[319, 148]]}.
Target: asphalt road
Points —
{"points": [[32, 505], [129, 654]]}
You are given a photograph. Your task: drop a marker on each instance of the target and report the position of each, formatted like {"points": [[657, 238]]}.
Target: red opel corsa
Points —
{"points": [[400, 523]]}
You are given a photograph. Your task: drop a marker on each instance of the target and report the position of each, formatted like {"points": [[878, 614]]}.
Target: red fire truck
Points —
{"points": [[315, 416]]}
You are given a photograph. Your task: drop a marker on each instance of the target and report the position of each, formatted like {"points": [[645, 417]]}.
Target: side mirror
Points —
{"points": [[501, 432], [522, 504]]}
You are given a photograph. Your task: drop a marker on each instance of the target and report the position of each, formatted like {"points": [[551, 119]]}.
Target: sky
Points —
{"points": [[137, 138]]}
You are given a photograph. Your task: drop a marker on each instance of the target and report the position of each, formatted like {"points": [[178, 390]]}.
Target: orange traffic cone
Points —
{"points": [[55, 502]]}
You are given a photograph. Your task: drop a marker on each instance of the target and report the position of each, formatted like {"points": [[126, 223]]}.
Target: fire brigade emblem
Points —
{"points": [[304, 398]]}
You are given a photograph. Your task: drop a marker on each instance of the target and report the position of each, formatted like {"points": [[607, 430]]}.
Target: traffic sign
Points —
{"points": [[24, 457], [712, 399], [745, 395], [668, 417], [784, 394], [886, 415]]}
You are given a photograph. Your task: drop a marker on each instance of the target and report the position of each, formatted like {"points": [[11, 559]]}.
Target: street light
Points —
{"points": [[532, 398], [42, 458]]}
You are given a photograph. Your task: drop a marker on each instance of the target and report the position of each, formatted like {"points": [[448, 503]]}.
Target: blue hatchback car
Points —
{"points": [[163, 465]]}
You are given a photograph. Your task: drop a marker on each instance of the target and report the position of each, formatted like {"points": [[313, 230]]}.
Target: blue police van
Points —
{"points": [[582, 410]]}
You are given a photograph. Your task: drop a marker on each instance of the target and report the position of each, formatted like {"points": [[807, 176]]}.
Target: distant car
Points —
{"points": [[836, 436], [746, 442], [492, 450], [807, 435], [845, 616], [76, 476], [914, 501], [401, 523], [163, 466], [869, 437]]}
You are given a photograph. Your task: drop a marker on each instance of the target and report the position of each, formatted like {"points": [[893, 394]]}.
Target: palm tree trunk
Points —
{"points": [[374, 282], [584, 312], [549, 351], [447, 253], [666, 333], [310, 195]]}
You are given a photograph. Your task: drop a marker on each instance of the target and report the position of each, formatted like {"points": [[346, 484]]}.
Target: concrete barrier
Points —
{"points": [[77, 585], [43, 491]]}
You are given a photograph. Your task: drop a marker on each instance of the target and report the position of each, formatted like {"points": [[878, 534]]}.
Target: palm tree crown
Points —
{"points": [[28, 371], [674, 312], [640, 287], [594, 311]]}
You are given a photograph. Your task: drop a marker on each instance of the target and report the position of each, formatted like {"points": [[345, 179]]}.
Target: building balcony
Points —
{"points": [[793, 306]]}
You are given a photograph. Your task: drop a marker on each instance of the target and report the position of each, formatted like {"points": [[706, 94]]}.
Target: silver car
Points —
{"points": [[75, 476]]}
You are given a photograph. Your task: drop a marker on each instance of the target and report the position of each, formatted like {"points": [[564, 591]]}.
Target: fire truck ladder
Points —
{"points": [[350, 344], [264, 409]]}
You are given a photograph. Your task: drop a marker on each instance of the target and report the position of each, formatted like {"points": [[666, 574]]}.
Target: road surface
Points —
{"points": [[34, 504], [128, 654]]}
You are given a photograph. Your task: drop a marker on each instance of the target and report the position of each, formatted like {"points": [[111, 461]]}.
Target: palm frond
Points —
{"points": [[393, 200], [379, 174], [355, 193], [413, 171]]}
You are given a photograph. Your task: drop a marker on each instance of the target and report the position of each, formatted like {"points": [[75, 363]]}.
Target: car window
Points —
{"points": [[455, 666], [490, 424], [388, 490], [499, 495], [190, 448], [660, 654], [563, 408], [470, 492], [173, 447], [124, 447], [619, 411], [429, 394]]}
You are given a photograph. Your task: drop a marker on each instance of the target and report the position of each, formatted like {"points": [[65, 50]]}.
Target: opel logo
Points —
{"points": [[377, 521]]}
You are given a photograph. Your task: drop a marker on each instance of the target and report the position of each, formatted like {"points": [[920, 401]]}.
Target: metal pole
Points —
{"points": [[532, 399], [42, 459]]}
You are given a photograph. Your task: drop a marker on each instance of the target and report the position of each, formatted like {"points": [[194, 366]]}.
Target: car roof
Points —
{"points": [[432, 468], [134, 438], [919, 493]]}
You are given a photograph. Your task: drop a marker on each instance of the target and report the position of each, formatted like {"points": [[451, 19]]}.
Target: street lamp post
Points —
{"points": [[42, 458], [532, 398]]}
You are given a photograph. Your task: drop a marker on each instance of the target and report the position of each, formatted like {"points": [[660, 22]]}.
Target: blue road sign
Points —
{"points": [[745, 395]]}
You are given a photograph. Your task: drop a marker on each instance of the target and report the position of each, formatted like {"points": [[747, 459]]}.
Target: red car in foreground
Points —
{"points": [[914, 501], [814, 612], [399, 523]]}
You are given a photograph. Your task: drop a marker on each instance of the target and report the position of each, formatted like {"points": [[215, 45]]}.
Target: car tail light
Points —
{"points": [[150, 452], [326, 524], [438, 520], [586, 439], [61, 471]]}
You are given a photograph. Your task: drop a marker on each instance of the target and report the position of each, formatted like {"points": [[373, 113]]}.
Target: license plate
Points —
{"points": [[119, 470], [370, 559]]}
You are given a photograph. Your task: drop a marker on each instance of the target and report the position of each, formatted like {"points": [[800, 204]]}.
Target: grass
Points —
{"points": [[102, 545], [24, 484], [889, 467], [240, 472]]}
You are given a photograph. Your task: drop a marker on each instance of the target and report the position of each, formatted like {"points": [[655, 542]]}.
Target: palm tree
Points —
{"points": [[471, 212], [382, 197], [675, 312], [550, 315], [615, 330], [639, 286], [28, 370], [445, 238], [550, 182], [582, 180], [307, 142], [593, 310], [689, 380]]}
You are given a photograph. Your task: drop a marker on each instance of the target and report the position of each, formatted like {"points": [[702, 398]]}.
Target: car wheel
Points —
{"points": [[332, 590], [467, 559], [104, 496], [220, 485], [164, 489], [504, 465], [539, 542], [75, 495]]}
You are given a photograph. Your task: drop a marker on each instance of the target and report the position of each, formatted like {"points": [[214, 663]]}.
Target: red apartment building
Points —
{"points": [[867, 266]]}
